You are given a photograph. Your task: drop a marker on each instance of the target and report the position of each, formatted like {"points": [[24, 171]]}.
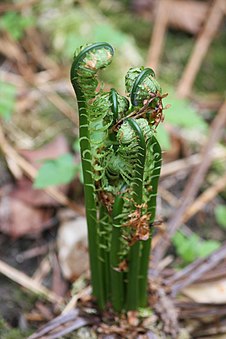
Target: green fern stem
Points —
{"points": [[104, 253], [145, 253], [132, 302], [91, 211], [84, 83], [103, 139], [89, 193], [117, 283]]}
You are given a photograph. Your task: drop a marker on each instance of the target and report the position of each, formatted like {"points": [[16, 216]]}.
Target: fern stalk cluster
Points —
{"points": [[121, 162]]}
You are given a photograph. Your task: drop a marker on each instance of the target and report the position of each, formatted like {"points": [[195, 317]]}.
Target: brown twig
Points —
{"points": [[59, 102], [204, 198], [61, 325], [188, 163], [194, 183], [43, 269], [35, 252], [28, 283], [74, 299], [200, 49], [31, 172], [195, 270], [159, 32]]}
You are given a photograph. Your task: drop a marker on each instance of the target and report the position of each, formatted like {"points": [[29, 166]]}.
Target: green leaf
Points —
{"points": [[207, 247], [56, 172], [106, 32], [163, 137], [76, 146], [15, 24], [182, 114], [193, 247], [220, 214], [7, 99]]}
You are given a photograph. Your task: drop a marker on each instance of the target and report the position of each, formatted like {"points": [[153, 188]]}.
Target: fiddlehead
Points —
{"points": [[116, 274], [145, 94], [118, 149], [83, 77], [87, 62]]}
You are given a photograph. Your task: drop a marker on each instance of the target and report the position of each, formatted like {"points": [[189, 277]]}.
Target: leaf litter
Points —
{"points": [[177, 297]]}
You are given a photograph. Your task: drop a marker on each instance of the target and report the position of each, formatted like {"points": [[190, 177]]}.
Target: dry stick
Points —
{"points": [[74, 299], [28, 283], [43, 269], [46, 90], [159, 32], [194, 271], [31, 172], [214, 274], [189, 162], [197, 205], [34, 45], [34, 252], [168, 197], [201, 46], [205, 197], [14, 79], [59, 103], [193, 185], [208, 195], [11, 51]]}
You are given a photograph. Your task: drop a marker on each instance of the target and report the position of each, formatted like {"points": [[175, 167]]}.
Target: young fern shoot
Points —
{"points": [[121, 161]]}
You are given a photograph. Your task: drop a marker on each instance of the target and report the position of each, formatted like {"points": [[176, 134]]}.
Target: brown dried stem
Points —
{"points": [[194, 183], [195, 270], [31, 172], [28, 283], [200, 49]]}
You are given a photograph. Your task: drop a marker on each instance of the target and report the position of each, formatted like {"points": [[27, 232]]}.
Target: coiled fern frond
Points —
{"points": [[121, 162]]}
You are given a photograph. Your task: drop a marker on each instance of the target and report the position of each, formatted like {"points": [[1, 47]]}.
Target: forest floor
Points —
{"points": [[187, 289]]}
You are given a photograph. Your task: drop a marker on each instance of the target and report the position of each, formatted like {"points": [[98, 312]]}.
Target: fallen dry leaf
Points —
{"points": [[25, 192], [72, 248], [18, 218], [188, 15], [53, 150], [213, 292], [24, 189]]}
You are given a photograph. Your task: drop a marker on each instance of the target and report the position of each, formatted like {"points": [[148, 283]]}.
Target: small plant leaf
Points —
{"points": [[163, 138], [7, 99], [56, 172], [220, 214], [182, 114], [193, 247], [15, 24], [179, 113]]}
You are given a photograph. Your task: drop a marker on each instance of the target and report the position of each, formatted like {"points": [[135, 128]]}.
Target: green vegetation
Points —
{"points": [[120, 154], [220, 214], [56, 172], [180, 114], [190, 248], [7, 99], [15, 24], [11, 333], [121, 161]]}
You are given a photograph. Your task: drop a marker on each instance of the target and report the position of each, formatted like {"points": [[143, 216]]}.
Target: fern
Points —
{"points": [[121, 162]]}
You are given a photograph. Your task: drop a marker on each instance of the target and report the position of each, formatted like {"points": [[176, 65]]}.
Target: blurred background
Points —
{"points": [[42, 225]]}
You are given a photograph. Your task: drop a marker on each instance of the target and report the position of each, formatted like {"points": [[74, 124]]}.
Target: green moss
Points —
{"points": [[11, 333]]}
